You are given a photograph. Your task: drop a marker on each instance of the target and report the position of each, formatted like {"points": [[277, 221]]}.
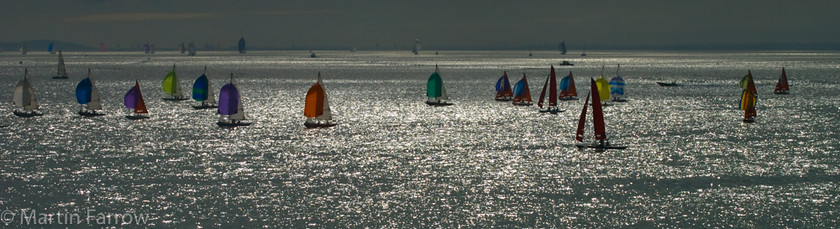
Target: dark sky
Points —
{"points": [[438, 24]]}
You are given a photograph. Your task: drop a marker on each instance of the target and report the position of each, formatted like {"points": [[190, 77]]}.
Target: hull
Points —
{"points": [[781, 92], [569, 98], [136, 117], [504, 99], [318, 125], [232, 124], [749, 120], [204, 106], [667, 84], [553, 110], [175, 99], [60, 77], [90, 113], [25, 114], [438, 104], [522, 104], [599, 146], [618, 100]]}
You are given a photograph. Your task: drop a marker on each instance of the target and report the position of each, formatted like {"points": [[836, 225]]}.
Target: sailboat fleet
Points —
{"points": [[230, 107]]}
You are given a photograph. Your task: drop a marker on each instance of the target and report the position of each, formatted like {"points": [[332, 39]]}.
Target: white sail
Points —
{"points": [[443, 95], [24, 95], [62, 70], [211, 96], [240, 111], [95, 103], [327, 115]]}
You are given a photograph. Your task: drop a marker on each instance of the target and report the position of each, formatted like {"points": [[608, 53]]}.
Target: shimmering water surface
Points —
{"points": [[395, 162]]}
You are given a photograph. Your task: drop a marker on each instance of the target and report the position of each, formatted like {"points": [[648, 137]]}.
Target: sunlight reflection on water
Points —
{"points": [[395, 162]]}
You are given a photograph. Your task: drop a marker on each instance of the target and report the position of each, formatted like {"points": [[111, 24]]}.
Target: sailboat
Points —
{"points": [[191, 49], [182, 48], [617, 87], [51, 49], [230, 106], [134, 100], [88, 96], [584, 50], [748, 98], [562, 47], [152, 48], [550, 86], [23, 50], [435, 91], [567, 88], [782, 86], [603, 88], [172, 87], [317, 107], [503, 90], [102, 47], [597, 120], [202, 92], [146, 48], [241, 45], [62, 70], [24, 98], [522, 94], [416, 48]]}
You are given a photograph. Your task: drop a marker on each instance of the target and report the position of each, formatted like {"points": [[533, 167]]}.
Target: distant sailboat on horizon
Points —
{"points": [[51, 48], [203, 92], [22, 48], [191, 49], [436, 91], [88, 96], [172, 87], [416, 48], [62, 70], [133, 100], [241, 45], [503, 89], [231, 111], [597, 122], [562, 47], [317, 107], [24, 98]]}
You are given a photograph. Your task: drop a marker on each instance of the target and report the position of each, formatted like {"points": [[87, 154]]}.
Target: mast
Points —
{"points": [[552, 90]]}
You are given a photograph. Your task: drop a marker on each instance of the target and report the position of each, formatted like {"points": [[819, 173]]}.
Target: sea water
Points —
{"points": [[393, 161]]}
